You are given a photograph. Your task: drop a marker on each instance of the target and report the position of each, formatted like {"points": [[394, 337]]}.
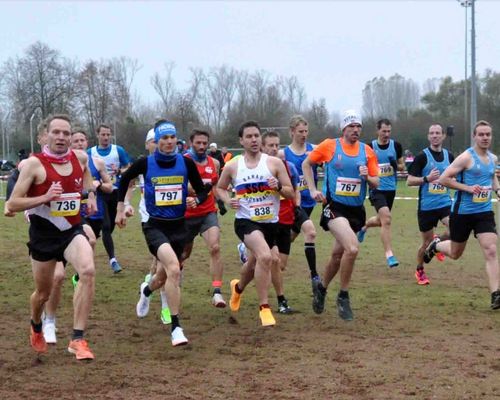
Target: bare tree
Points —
{"points": [[164, 86]]}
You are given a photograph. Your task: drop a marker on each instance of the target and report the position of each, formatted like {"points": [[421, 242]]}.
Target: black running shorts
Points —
{"points": [[461, 225]]}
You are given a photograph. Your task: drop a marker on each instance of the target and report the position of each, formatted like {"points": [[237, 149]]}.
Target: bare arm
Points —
{"points": [[223, 185], [282, 179], [309, 177], [462, 162], [401, 164], [18, 200], [105, 185]]}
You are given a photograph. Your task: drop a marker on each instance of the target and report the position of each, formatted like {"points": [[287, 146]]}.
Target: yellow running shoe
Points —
{"points": [[234, 302], [266, 317]]}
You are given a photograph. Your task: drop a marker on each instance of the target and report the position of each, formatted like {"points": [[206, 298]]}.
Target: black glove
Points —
{"points": [[222, 207]]}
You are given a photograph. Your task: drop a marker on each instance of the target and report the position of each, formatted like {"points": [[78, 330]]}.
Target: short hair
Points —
{"points": [[481, 123], [269, 134], [198, 132], [383, 121], [41, 127], [296, 120], [248, 124], [437, 124], [79, 131], [105, 126], [51, 118]]}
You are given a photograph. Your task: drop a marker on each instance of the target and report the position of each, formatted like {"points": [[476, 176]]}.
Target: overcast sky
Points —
{"points": [[333, 47]]}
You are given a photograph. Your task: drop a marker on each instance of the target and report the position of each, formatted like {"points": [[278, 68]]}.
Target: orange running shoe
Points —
{"points": [[439, 256], [234, 302], [422, 278], [80, 348], [266, 317], [38, 342]]}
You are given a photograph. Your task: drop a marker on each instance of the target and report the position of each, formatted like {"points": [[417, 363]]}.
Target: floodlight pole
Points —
{"points": [[31, 130], [473, 93]]}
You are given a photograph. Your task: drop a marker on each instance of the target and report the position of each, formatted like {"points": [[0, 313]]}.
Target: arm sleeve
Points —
{"points": [[194, 178], [372, 163], [124, 158], [418, 165], [11, 182], [323, 152], [451, 157], [137, 168], [399, 150]]}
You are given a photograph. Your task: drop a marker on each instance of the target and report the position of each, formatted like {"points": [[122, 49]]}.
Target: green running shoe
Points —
{"points": [[165, 316], [74, 280]]}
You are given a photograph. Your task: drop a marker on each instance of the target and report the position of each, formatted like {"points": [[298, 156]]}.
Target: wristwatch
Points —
{"points": [[425, 179]]}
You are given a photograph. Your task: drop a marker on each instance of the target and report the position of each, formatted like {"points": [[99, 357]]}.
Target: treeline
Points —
{"points": [[42, 81]]}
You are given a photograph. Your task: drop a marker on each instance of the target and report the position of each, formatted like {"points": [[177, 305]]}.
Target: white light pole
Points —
{"points": [[31, 130], [4, 134], [473, 92]]}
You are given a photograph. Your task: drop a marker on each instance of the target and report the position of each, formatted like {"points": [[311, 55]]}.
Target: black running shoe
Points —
{"points": [[431, 251], [284, 308], [495, 300], [319, 294], [344, 309]]}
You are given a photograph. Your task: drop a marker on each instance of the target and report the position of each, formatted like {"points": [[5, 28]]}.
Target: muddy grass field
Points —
{"points": [[406, 342]]}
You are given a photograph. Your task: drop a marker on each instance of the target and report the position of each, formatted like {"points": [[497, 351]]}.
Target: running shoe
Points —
{"points": [[142, 307], [242, 251], [49, 332], [218, 301], [421, 277], [430, 251], [116, 267], [165, 316], [38, 342], [284, 308], [361, 235], [495, 300], [234, 301], [266, 317], [392, 262], [178, 338], [80, 348], [74, 280], [319, 294], [344, 309]]}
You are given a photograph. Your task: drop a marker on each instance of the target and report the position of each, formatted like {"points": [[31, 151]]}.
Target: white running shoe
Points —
{"points": [[49, 332], [142, 307], [218, 301], [242, 251], [178, 338]]}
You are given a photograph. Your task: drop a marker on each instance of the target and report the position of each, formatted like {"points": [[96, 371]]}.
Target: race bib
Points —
{"points": [[385, 169], [261, 212], [483, 196], [168, 195], [437, 188], [348, 187], [302, 183], [66, 205]]}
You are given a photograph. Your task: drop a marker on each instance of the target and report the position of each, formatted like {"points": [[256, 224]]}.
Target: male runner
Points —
{"points": [[258, 180], [202, 220], [116, 160], [350, 167], [390, 157], [50, 186], [434, 202], [472, 175], [166, 176], [165, 316], [271, 146], [296, 153]]}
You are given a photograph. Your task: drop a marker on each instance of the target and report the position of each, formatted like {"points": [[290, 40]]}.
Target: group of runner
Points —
{"points": [[71, 196]]}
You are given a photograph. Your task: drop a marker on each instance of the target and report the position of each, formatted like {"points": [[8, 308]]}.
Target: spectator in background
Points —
{"points": [[214, 153], [226, 154]]}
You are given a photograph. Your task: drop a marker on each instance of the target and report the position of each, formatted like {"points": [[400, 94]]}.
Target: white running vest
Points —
{"points": [[112, 161], [258, 202]]}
